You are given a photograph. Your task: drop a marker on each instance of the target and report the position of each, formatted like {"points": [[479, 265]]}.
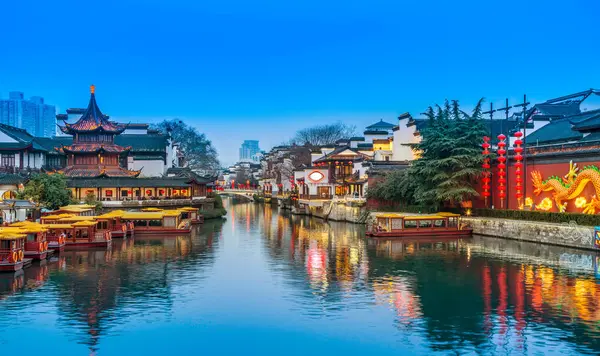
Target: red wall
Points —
{"points": [[547, 170]]}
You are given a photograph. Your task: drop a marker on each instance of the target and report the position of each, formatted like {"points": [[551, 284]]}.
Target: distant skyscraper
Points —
{"points": [[32, 115], [248, 150]]}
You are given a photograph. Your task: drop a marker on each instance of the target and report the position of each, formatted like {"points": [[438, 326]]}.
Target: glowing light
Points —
{"points": [[528, 202], [580, 202], [316, 176], [545, 204]]}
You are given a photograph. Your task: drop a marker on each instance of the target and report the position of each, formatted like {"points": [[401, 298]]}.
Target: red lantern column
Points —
{"points": [[501, 169], [518, 172], [486, 170]]}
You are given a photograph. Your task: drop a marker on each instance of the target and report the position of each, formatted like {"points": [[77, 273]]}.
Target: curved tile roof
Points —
{"points": [[92, 120]]}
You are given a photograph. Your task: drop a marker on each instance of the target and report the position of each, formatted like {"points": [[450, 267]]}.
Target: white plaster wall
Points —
{"points": [[537, 124], [402, 136], [369, 138], [153, 168]]}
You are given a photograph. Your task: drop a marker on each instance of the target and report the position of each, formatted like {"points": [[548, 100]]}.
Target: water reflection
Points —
{"points": [[268, 279], [479, 294], [94, 289]]}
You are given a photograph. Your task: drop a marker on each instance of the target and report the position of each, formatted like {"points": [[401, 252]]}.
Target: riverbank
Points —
{"points": [[568, 235]]}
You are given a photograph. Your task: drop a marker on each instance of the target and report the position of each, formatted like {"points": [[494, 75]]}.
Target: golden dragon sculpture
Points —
{"points": [[570, 187]]}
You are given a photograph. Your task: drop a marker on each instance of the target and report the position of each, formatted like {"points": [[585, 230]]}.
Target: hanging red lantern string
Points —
{"points": [[518, 173], [486, 169], [501, 169]]}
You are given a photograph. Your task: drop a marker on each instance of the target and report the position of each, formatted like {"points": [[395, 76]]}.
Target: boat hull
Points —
{"points": [[117, 234], [57, 247], [162, 232], [38, 256], [422, 234], [11, 267], [87, 244]]}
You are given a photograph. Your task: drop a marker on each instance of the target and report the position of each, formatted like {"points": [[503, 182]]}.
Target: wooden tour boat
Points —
{"points": [[12, 253], [419, 226], [158, 222], [193, 214], [113, 222], [77, 231], [36, 245]]}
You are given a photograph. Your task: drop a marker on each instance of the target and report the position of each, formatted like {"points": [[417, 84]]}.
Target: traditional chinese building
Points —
{"points": [[95, 163]]}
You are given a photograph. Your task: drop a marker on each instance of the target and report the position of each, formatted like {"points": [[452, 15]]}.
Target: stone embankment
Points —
{"points": [[569, 235]]}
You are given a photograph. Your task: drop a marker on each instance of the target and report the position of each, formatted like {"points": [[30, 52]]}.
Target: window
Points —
{"points": [[30, 237], [425, 223], [410, 224], [123, 193], [4, 245], [185, 215], [108, 193], [8, 160], [155, 223], [438, 223], [142, 223], [102, 225], [90, 160]]}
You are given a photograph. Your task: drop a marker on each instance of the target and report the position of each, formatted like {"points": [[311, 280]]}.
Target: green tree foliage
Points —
{"points": [[449, 163], [198, 150], [91, 199], [49, 190]]}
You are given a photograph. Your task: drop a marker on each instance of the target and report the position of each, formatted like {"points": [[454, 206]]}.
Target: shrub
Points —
{"points": [[544, 216]]}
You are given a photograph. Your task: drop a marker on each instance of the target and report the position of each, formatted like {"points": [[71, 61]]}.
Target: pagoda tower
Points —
{"points": [[94, 153]]}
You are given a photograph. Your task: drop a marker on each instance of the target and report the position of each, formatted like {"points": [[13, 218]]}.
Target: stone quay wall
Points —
{"points": [[569, 235]]}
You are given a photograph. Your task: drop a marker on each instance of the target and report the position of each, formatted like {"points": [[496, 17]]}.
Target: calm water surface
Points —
{"points": [[266, 282]]}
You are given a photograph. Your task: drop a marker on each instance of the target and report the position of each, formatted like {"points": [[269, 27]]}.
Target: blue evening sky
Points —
{"points": [[262, 69]]}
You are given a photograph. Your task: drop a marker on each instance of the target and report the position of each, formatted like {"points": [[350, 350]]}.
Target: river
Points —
{"points": [[263, 281]]}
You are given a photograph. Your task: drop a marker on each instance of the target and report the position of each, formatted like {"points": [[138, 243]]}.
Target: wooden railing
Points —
{"points": [[315, 197]]}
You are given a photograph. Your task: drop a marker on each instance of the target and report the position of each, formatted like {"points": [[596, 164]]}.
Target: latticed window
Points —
{"points": [[8, 160]]}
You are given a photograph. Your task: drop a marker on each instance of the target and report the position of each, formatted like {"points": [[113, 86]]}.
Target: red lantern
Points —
{"points": [[486, 168], [518, 158], [501, 169]]}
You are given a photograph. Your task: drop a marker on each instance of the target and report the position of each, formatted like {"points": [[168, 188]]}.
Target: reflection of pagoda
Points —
{"points": [[94, 152]]}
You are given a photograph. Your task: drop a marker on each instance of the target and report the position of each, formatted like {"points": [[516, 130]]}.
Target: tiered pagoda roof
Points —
{"points": [[94, 148], [98, 172], [93, 121]]}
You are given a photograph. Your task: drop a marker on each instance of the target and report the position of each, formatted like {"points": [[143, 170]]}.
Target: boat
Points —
{"points": [[36, 245], [76, 209], [12, 255], [193, 214], [419, 226], [113, 222], [80, 231], [158, 222]]}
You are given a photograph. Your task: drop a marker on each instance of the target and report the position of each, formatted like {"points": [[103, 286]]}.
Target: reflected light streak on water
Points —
{"points": [[267, 282]]}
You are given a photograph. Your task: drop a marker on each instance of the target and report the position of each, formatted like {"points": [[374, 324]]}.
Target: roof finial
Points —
{"points": [[92, 88]]}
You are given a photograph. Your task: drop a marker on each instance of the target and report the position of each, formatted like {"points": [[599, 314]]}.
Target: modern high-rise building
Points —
{"points": [[248, 150], [33, 115]]}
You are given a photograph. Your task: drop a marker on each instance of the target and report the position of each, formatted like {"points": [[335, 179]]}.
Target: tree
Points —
{"points": [[451, 157], [90, 199], [48, 189], [323, 134], [199, 151], [449, 163]]}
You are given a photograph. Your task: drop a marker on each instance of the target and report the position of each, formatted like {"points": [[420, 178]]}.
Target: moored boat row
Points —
{"points": [[75, 227]]}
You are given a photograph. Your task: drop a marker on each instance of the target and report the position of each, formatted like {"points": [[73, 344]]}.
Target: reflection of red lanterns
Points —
{"points": [[518, 164], [486, 168], [501, 169]]}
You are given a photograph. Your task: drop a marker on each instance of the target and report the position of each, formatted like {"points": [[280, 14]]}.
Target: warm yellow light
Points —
{"points": [[528, 201], [468, 212], [545, 204], [580, 202]]}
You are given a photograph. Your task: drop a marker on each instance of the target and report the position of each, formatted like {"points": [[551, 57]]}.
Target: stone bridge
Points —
{"points": [[243, 193]]}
